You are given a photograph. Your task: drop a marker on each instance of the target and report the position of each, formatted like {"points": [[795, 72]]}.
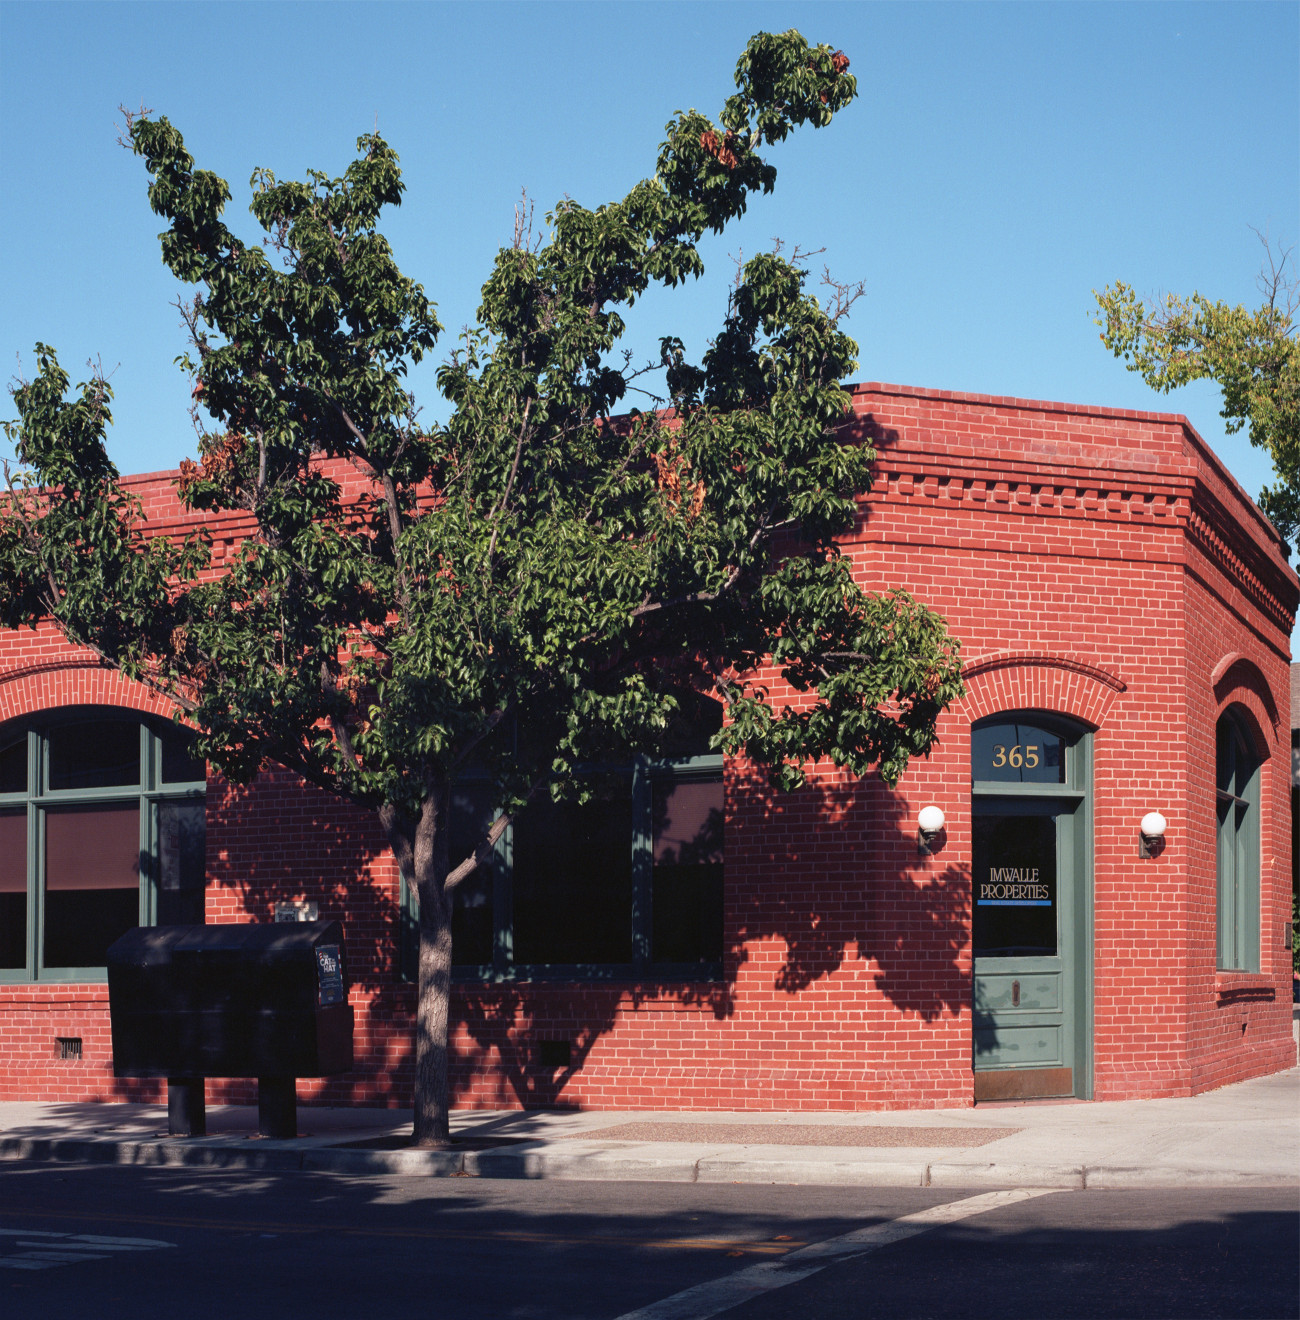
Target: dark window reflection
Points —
{"points": [[687, 884], [1014, 872], [573, 879], [180, 765], [13, 888], [13, 766], [92, 882], [94, 754], [471, 902], [182, 862], [1017, 753]]}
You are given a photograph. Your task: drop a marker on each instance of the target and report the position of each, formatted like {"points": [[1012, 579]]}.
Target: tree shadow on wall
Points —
{"points": [[833, 872], [529, 1041]]}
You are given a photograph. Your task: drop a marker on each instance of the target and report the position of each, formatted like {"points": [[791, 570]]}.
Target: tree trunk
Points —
{"points": [[421, 849], [432, 1014]]}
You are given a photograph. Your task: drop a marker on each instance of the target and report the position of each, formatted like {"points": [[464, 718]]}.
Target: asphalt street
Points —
{"points": [[110, 1242]]}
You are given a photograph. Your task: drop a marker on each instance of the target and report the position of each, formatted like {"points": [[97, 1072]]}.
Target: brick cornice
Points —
{"points": [[1271, 586], [1054, 490]]}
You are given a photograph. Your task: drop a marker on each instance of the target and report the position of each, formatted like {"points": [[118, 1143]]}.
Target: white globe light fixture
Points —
{"points": [[929, 825], [1151, 833]]}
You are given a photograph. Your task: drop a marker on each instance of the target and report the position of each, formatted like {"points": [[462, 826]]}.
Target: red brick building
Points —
{"points": [[1125, 614]]}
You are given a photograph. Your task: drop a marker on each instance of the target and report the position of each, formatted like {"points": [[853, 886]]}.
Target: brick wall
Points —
{"points": [[1096, 563]]}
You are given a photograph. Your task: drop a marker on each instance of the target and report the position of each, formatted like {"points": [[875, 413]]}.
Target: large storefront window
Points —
{"points": [[1237, 805], [101, 829], [628, 883]]}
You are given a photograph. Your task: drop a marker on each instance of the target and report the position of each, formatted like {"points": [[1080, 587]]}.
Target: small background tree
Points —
{"points": [[1251, 355], [539, 584]]}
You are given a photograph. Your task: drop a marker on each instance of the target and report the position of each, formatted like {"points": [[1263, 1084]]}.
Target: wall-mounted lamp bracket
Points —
{"points": [[1151, 834], [929, 828]]}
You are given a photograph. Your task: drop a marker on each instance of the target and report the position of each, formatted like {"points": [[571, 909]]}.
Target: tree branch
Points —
{"points": [[483, 853], [510, 481]]}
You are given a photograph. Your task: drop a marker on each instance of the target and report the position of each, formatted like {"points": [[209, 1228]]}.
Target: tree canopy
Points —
{"points": [[543, 582], [1251, 355]]}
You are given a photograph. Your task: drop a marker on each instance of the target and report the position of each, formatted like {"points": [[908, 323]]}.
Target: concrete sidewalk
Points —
{"points": [[1246, 1135]]}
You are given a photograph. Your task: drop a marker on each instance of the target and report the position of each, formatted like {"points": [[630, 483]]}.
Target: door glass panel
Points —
{"points": [[1017, 753], [13, 888], [92, 882], [573, 879], [95, 754], [1014, 861], [687, 876]]}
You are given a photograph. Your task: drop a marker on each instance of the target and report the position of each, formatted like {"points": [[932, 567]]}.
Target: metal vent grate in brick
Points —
{"points": [[69, 1047]]}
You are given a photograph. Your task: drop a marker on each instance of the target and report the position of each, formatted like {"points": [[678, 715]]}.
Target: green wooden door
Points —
{"points": [[1030, 921]]}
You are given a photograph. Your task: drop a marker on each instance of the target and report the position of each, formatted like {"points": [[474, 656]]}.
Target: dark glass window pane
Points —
{"points": [[1014, 866], [181, 863], [1225, 759], [13, 889], [573, 880], [471, 902], [94, 754], [92, 882], [180, 764], [13, 766], [687, 883], [1226, 899], [1013, 752]]}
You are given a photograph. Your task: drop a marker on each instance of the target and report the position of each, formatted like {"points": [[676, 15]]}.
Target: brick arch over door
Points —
{"points": [[1066, 685], [42, 687]]}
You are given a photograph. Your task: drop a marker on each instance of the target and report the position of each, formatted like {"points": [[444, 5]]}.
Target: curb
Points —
{"points": [[544, 1163]]}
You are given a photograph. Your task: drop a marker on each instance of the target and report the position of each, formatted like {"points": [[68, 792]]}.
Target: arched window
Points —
{"points": [[1237, 896], [101, 829]]}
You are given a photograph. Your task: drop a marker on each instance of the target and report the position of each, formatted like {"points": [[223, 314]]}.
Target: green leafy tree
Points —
{"points": [[1251, 355], [537, 584]]}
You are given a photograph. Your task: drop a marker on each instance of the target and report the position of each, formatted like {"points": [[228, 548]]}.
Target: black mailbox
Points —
{"points": [[264, 1001]]}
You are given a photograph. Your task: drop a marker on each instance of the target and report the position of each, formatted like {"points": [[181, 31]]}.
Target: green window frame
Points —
{"points": [[1237, 775], [645, 862], [101, 829]]}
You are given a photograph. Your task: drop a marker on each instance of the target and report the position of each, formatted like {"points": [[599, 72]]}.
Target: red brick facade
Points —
{"points": [[1096, 564]]}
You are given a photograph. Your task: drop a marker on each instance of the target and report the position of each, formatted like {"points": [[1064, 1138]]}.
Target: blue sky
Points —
{"points": [[1001, 162]]}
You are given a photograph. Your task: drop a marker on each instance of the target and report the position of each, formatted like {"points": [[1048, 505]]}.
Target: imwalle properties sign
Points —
{"points": [[1014, 886]]}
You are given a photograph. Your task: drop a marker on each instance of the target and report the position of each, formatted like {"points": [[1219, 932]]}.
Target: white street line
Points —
{"points": [[718, 1295], [119, 1243], [57, 1257], [46, 1250]]}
